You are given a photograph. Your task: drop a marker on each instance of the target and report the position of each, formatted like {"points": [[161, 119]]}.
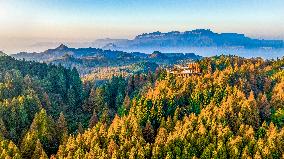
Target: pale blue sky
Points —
{"points": [[85, 20]]}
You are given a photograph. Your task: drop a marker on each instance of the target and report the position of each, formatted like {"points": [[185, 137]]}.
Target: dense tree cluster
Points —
{"points": [[106, 73], [234, 109], [32, 96]]}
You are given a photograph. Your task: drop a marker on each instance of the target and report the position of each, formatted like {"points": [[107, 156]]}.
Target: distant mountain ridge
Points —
{"points": [[203, 42], [61, 50], [194, 38]]}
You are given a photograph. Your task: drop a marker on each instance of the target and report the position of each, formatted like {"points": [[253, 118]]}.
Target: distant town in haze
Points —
{"points": [[141, 79]]}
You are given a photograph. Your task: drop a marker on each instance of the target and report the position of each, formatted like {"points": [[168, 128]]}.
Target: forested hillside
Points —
{"points": [[234, 109], [86, 60]]}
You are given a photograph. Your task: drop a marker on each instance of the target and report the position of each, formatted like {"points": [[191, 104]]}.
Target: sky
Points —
{"points": [[26, 22]]}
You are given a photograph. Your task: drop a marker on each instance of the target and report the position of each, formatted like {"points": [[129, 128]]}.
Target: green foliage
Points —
{"points": [[42, 130], [278, 117], [234, 109]]}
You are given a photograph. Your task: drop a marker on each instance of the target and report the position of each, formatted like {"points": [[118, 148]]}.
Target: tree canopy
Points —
{"points": [[233, 109]]}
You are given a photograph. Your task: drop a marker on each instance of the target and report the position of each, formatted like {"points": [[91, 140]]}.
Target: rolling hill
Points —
{"points": [[86, 59]]}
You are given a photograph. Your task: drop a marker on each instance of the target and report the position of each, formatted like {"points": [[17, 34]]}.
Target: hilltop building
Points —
{"points": [[187, 70]]}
